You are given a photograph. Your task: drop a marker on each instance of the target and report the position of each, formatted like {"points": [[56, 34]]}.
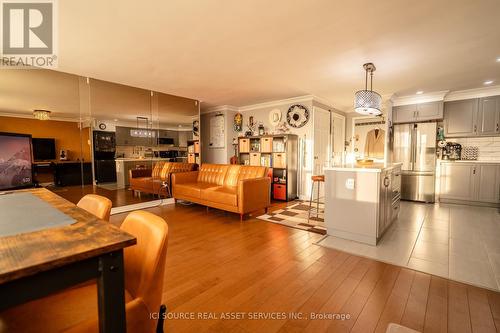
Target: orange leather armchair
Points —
{"points": [[75, 309], [96, 205]]}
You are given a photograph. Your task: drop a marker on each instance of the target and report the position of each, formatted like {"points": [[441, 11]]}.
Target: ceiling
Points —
{"points": [[252, 51]]}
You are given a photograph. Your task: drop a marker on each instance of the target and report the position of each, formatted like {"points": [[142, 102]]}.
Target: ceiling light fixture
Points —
{"points": [[368, 102], [41, 114], [420, 92], [488, 82]]}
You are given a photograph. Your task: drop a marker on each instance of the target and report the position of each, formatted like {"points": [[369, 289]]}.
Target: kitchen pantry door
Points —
{"points": [[338, 138], [322, 140]]}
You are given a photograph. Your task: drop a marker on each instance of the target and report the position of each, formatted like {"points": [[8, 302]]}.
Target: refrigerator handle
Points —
{"points": [[414, 145]]}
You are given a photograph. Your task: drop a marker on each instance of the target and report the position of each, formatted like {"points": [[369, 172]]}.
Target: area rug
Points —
{"points": [[295, 216]]}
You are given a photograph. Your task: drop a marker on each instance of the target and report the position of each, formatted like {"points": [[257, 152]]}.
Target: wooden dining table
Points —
{"points": [[36, 264]]}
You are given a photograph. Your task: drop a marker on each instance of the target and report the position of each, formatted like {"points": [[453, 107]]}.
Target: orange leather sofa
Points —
{"points": [[151, 180], [234, 188]]}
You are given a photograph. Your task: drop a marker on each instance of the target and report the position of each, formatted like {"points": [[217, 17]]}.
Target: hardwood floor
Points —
{"points": [[217, 265], [121, 197]]}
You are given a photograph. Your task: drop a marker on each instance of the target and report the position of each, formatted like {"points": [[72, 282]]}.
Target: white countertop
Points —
{"points": [[375, 167], [470, 161], [135, 159]]}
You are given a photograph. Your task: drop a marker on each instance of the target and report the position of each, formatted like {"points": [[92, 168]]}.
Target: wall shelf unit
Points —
{"points": [[280, 154], [194, 151]]}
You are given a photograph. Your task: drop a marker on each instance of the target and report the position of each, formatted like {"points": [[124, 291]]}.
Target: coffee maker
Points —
{"points": [[452, 151]]}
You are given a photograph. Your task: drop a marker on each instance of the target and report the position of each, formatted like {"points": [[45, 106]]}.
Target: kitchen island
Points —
{"points": [[361, 202]]}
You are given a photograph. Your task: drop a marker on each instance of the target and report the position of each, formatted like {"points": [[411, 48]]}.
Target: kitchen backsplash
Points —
{"points": [[489, 147], [136, 151]]}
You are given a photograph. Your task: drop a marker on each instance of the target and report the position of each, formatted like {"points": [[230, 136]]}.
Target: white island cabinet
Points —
{"points": [[361, 202]]}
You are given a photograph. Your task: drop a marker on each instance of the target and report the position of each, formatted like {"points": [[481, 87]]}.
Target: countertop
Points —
{"points": [[470, 161], [135, 159], [375, 167]]}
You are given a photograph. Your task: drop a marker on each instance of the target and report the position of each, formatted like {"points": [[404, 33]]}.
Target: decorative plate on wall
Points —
{"points": [[297, 115], [275, 117]]}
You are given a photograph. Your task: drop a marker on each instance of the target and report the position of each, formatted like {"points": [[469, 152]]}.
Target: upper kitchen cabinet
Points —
{"points": [[460, 118], [472, 117], [417, 112], [488, 116], [430, 111]]}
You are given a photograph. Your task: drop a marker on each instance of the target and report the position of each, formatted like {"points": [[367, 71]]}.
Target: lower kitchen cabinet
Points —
{"points": [[470, 182], [488, 187]]}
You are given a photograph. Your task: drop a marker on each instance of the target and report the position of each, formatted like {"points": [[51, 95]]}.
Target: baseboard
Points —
{"points": [[469, 203]]}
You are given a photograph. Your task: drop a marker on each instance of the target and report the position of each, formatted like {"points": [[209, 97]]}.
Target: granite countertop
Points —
{"points": [[375, 167]]}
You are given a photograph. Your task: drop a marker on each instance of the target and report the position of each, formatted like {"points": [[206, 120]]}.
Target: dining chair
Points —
{"points": [[96, 205], [75, 309]]}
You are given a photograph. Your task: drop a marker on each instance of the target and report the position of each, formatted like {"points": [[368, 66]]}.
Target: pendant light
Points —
{"points": [[368, 102], [41, 114]]}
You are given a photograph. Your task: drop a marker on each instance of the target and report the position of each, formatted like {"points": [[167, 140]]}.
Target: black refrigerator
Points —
{"points": [[104, 157]]}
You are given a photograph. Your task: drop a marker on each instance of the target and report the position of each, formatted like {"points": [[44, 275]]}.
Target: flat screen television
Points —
{"points": [[44, 149], [16, 169]]}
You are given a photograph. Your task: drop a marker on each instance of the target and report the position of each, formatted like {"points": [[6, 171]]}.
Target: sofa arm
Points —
{"points": [[254, 194], [137, 173], [184, 177]]}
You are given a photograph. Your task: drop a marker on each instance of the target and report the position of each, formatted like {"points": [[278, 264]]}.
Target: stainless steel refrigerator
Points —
{"points": [[415, 146]]}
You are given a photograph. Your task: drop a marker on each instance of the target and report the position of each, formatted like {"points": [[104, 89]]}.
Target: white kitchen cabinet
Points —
{"points": [[417, 112], [472, 182]]}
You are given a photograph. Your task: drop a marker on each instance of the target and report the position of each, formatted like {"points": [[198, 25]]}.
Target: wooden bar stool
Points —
{"points": [[315, 179]]}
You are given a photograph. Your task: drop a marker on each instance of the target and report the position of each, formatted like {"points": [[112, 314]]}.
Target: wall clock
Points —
{"points": [[297, 115], [102, 126]]}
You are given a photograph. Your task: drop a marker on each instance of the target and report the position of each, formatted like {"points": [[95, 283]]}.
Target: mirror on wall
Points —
{"points": [[46, 105], [369, 137], [94, 136]]}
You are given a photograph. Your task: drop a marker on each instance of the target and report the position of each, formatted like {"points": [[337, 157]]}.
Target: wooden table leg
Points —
{"points": [[111, 293]]}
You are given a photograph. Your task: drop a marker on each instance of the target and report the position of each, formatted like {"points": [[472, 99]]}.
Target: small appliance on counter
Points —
{"points": [[452, 151]]}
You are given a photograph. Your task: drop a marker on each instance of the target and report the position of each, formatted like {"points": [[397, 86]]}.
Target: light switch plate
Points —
{"points": [[350, 183]]}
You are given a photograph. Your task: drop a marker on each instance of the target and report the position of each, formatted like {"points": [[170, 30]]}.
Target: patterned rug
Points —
{"points": [[295, 216]]}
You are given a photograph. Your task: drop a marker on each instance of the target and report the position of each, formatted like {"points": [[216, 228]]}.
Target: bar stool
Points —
{"points": [[315, 179]]}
